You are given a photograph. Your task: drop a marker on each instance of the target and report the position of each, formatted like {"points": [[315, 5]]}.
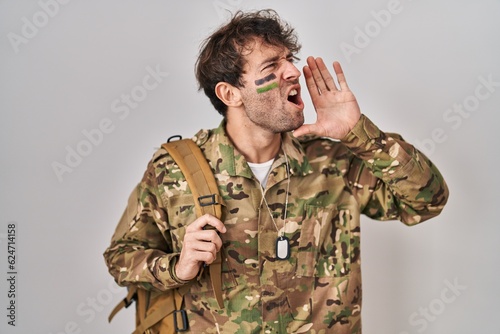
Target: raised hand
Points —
{"points": [[336, 107]]}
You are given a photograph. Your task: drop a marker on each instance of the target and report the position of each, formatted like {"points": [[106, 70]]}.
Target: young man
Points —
{"points": [[293, 193]]}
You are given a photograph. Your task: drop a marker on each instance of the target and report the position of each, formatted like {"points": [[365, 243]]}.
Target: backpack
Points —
{"points": [[162, 312]]}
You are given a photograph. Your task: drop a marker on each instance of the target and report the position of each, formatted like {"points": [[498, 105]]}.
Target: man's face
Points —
{"points": [[271, 92]]}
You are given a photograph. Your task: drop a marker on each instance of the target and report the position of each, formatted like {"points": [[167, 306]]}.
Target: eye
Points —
{"points": [[271, 66]]}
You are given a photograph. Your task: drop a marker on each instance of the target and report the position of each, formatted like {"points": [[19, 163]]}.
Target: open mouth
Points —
{"points": [[294, 97]]}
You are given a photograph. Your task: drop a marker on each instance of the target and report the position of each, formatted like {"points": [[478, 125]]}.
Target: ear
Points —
{"points": [[228, 94]]}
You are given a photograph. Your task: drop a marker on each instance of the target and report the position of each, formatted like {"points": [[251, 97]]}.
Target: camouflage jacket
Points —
{"points": [[317, 289]]}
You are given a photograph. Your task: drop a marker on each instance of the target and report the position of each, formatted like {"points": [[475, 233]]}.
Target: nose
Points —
{"points": [[291, 71]]}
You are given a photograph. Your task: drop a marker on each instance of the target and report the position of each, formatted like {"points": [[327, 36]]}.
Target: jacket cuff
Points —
{"points": [[364, 134], [172, 271], [164, 271]]}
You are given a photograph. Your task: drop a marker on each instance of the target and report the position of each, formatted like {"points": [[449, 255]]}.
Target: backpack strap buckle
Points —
{"points": [[208, 200], [127, 302], [180, 317]]}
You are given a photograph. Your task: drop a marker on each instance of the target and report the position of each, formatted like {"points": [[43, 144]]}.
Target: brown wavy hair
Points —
{"points": [[221, 57]]}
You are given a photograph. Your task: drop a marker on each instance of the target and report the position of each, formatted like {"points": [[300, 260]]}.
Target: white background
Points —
{"points": [[64, 74]]}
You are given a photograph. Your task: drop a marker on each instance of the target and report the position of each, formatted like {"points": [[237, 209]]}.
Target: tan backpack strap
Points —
{"points": [[198, 174], [129, 299], [179, 320], [201, 180]]}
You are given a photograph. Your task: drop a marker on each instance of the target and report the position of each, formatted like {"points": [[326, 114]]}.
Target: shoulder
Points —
{"points": [[161, 157], [326, 155], [315, 146], [163, 170]]}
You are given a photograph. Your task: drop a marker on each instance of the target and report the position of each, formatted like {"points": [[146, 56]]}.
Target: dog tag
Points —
{"points": [[282, 248]]}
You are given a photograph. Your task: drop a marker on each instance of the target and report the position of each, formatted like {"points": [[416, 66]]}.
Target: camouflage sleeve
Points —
{"points": [[391, 178], [140, 251]]}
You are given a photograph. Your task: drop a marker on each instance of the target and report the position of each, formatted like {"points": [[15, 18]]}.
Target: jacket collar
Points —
{"points": [[225, 159]]}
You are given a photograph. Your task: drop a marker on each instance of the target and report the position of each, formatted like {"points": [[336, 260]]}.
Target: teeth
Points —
{"points": [[293, 92]]}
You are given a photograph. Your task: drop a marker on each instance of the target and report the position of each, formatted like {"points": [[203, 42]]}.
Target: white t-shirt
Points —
{"points": [[261, 171]]}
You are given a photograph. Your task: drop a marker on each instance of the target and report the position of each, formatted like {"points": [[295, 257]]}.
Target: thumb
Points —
{"points": [[304, 129]]}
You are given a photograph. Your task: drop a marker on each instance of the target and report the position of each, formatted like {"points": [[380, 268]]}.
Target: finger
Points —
{"points": [[313, 89], [197, 253], [206, 252], [316, 75], [211, 236], [340, 76], [204, 247], [205, 222], [203, 236], [304, 130], [325, 74]]}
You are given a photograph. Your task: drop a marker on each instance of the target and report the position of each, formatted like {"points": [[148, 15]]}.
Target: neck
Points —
{"points": [[254, 143]]}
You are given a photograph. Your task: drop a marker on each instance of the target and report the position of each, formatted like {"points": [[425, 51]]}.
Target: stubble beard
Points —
{"points": [[276, 120]]}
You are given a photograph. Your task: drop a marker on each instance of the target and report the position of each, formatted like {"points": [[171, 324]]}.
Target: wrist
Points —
{"points": [[173, 273], [363, 131]]}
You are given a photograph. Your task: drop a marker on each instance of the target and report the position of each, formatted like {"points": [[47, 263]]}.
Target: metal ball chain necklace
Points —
{"points": [[282, 242]]}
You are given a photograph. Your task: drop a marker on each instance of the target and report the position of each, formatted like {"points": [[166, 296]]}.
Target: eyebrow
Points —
{"points": [[269, 60], [275, 58]]}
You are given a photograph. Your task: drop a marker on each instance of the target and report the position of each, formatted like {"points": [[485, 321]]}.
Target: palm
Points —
{"points": [[336, 108]]}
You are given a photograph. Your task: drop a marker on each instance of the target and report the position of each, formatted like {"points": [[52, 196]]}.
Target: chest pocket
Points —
{"points": [[325, 242]]}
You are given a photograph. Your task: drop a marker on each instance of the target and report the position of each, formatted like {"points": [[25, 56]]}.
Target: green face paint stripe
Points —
{"points": [[262, 81], [267, 88]]}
